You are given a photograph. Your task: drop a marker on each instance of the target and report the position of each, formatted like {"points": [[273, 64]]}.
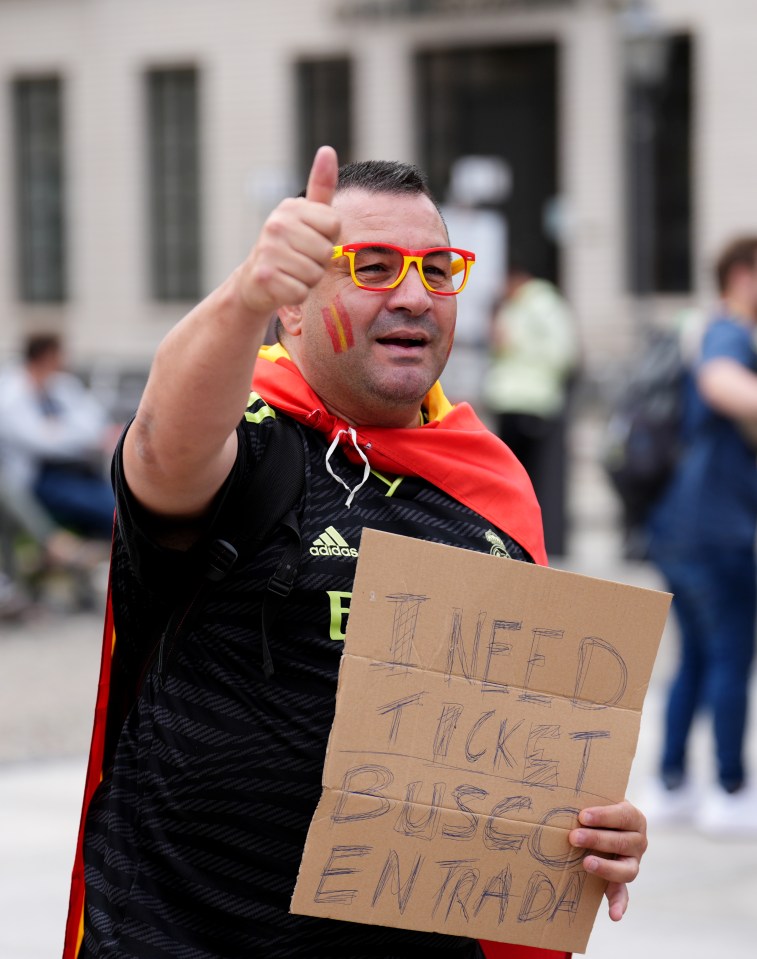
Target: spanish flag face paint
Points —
{"points": [[338, 324]]}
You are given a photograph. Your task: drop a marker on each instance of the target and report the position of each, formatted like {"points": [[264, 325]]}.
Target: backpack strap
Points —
{"points": [[269, 502], [280, 585], [275, 484], [280, 483]]}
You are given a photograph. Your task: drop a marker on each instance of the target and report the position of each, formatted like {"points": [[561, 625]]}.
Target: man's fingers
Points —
{"points": [[295, 245], [323, 174], [611, 841], [617, 900], [620, 815]]}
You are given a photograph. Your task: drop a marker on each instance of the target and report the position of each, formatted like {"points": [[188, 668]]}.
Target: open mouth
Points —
{"points": [[404, 342]]}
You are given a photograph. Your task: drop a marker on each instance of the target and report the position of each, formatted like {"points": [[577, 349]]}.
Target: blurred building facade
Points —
{"points": [[143, 142]]}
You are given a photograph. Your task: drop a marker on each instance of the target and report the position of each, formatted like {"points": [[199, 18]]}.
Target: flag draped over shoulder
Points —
{"points": [[453, 450]]}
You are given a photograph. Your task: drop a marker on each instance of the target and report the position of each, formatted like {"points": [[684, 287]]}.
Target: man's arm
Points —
{"points": [[729, 387], [619, 831], [182, 443]]}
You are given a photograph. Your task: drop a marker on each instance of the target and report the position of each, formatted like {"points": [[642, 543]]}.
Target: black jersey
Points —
{"points": [[194, 838]]}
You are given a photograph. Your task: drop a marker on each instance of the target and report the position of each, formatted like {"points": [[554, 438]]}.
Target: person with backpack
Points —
{"points": [[207, 759], [701, 535]]}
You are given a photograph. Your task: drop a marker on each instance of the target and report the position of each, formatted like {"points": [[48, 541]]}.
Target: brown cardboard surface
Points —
{"points": [[481, 704]]}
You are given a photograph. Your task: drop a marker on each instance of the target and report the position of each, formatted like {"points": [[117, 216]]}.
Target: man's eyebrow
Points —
{"points": [[379, 248]]}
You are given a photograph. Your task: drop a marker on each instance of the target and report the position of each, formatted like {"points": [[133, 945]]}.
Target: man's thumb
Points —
{"points": [[323, 175]]}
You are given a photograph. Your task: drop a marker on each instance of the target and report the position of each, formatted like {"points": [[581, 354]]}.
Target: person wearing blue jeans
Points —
{"points": [[714, 601], [78, 498], [702, 535]]}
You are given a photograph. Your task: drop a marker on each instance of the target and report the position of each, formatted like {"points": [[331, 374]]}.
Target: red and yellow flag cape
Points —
{"points": [[75, 921]]}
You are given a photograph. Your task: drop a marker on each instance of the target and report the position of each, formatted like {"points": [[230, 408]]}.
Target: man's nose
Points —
{"points": [[411, 295]]}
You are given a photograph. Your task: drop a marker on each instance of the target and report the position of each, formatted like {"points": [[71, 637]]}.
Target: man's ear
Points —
{"points": [[291, 319]]}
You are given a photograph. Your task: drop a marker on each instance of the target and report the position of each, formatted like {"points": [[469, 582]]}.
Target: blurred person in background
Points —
{"points": [[535, 357], [55, 438], [702, 539]]}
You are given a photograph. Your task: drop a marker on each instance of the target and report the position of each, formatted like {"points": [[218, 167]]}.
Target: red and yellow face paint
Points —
{"points": [[339, 327]]}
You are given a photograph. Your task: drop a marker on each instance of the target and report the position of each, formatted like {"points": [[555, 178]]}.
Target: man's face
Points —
{"points": [[50, 363], [740, 290], [372, 357]]}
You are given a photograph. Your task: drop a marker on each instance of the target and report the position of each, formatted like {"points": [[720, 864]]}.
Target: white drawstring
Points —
{"points": [[353, 436]]}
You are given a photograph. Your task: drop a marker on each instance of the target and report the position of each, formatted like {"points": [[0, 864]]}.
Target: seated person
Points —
{"points": [[54, 436]]}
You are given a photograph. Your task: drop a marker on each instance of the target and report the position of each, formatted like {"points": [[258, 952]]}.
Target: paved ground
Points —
{"points": [[694, 898]]}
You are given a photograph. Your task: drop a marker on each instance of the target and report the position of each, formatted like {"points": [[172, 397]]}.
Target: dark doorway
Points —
{"points": [[658, 141], [324, 109], [496, 101]]}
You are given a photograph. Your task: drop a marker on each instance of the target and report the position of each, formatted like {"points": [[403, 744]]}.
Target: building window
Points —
{"points": [[174, 184], [40, 206], [659, 175], [472, 100], [324, 109]]}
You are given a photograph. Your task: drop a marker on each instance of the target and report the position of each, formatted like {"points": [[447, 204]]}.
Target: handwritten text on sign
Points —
{"points": [[481, 704]]}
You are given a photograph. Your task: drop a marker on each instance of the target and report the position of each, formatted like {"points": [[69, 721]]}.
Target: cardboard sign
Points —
{"points": [[481, 704]]}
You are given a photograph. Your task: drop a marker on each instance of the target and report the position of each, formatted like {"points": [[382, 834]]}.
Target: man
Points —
{"points": [[53, 437], [702, 534], [193, 839]]}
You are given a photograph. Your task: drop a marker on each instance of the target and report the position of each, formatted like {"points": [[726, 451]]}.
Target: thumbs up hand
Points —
{"points": [[322, 179], [295, 244]]}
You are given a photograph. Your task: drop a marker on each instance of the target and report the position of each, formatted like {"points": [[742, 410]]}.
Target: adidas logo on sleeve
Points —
{"points": [[330, 543]]}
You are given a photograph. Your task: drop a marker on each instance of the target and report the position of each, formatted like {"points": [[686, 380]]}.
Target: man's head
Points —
{"points": [[43, 354], [372, 356], [518, 274], [736, 276]]}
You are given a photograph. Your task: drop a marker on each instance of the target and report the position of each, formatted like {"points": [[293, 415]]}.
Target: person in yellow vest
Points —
{"points": [[535, 357]]}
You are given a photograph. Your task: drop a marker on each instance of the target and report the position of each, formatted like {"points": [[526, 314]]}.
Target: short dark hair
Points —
{"points": [[39, 345], [739, 252], [384, 176]]}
